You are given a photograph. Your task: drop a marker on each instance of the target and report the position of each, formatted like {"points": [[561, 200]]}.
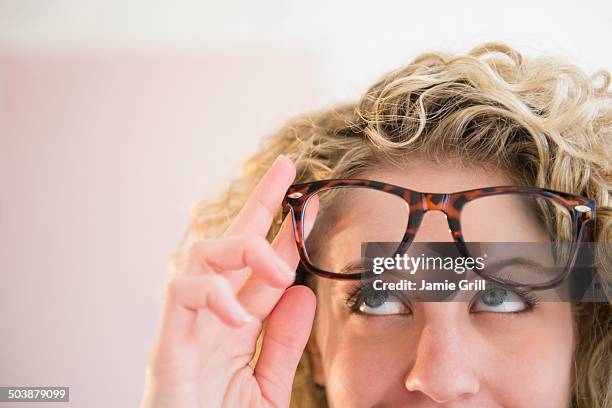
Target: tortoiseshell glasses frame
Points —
{"points": [[581, 210]]}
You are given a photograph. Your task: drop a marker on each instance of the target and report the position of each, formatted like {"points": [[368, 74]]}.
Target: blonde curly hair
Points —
{"points": [[540, 120]]}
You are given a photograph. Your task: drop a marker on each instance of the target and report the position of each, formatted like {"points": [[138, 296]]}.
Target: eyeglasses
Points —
{"points": [[350, 212]]}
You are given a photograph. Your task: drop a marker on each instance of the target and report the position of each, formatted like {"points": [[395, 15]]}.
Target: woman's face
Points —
{"points": [[451, 354]]}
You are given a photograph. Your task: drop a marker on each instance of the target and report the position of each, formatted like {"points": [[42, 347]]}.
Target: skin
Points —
{"points": [[428, 354]]}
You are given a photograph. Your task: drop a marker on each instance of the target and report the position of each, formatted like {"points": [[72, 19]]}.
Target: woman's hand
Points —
{"points": [[214, 311]]}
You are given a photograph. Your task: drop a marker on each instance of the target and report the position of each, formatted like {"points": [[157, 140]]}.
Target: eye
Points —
{"points": [[499, 300], [378, 302]]}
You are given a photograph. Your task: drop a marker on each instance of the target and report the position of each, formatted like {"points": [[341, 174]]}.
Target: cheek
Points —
{"points": [[540, 376], [361, 372], [531, 365], [360, 360]]}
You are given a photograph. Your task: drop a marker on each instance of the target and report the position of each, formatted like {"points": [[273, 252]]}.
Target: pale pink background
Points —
{"points": [[103, 161], [115, 120]]}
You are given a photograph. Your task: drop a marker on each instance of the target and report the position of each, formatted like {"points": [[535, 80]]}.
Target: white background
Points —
{"points": [[115, 117]]}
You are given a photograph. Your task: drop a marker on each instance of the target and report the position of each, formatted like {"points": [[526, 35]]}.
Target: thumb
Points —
{"points": [[286, 334]]}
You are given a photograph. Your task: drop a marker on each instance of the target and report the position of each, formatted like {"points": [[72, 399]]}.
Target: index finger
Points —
{"points": [[257, 214]]}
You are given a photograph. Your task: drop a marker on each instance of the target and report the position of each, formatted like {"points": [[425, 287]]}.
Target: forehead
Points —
{"points": [[427, 176]]}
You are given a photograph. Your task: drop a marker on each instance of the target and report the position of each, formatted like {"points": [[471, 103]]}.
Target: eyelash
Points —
{"points": [[355, 295]]}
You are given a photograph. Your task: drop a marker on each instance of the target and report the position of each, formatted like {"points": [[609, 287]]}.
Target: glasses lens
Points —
{"points": [[527, 238], [347, 217]]}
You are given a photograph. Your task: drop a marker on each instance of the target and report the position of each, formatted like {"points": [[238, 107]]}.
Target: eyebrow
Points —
{"points": [[517, 260]]}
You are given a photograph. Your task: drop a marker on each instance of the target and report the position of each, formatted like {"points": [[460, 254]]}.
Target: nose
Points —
{"points": [[444, 368]]}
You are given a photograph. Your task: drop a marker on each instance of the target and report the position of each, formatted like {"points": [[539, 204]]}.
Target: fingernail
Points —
{"points": [[284, 268], [242, 315], [283, 157], [279, 157]]}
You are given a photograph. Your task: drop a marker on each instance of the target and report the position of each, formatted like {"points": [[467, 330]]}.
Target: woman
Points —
{"points": [[441, 124]]}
